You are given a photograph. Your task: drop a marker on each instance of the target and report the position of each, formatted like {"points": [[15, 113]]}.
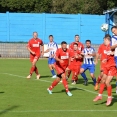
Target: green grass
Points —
{"points": [[20, 97]]}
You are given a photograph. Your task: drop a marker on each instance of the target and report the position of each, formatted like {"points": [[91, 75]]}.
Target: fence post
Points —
{"points": [[44, 26], [8, 26]]}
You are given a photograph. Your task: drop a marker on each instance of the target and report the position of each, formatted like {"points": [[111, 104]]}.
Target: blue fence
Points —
{"points": [[18, 27]]}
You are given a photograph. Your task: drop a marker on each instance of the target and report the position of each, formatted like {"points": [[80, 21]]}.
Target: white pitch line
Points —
{"points": [[50, 82], [41, 111]]}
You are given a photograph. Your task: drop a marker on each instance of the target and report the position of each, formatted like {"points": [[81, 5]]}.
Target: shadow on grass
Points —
{"points": [[46, 76], [113, 101], [71, 89], [8, 109], [2, 92]]}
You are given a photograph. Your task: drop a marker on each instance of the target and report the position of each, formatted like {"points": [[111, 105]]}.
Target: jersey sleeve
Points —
{"points": [[29, 44], [41, 43], [82, 47]]}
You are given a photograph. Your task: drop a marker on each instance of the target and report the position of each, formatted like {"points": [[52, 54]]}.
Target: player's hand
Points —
{"points": [[53, 55], [72, 58], [61, 61], [33, 53], [96, 62], [104, 60], [42, 54]]}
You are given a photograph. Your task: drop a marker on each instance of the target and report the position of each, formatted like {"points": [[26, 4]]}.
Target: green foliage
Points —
{"points": [[57, 6]]}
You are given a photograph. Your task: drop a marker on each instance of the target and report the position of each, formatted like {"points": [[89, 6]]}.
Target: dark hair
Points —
{"points": [[75, 44], [114, 27], [88, 41], [77, 35], [63, 42], [107, 36], [50, 36]]}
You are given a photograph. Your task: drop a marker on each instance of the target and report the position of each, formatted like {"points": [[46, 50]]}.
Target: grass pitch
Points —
{"points": [[20, 97]]}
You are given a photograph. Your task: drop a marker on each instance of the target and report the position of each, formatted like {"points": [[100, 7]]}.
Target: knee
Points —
{"points": [[107, 83], [92, 75]]}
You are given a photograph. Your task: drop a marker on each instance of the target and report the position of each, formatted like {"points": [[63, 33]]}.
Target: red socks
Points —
{"points": [[109, 90], [36, 70], [53, 85], [99, 79], [32, 70], [65, 85], [102, 86]]}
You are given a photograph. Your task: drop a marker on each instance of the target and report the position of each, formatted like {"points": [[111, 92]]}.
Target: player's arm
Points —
{"points": [[96, 58], [42, 48], [29, 49], [93, 54], [113, 45], [46, 51], [57, 54]]}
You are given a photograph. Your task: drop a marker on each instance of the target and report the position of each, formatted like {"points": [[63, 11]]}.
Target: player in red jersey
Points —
{"points": [[108, 72], [75, 64], [62, 61], [80, 48], [34, 49], [103, 48]]}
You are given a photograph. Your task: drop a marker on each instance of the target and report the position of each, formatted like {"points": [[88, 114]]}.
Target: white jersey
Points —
{"points": [[113, 42], [52, 46], [87, 58]]}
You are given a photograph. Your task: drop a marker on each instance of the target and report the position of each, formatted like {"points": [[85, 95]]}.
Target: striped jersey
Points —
{"points": [[113, 42], [52, 46], [87, 58]]}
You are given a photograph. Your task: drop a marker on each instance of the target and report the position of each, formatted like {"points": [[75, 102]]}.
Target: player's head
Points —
{"points": [[107, 39], [114, 30], [88, 43], [64, 45], [35, 35], [77, 38], [51, 38], [75, 46]]}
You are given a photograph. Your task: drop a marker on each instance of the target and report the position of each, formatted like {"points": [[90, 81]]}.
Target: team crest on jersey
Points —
{"points": [[36, 45]]}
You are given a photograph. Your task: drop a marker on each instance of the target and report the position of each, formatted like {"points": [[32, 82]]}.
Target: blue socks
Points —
{"points": [[84, 76], [53, 73], [94, 80]]}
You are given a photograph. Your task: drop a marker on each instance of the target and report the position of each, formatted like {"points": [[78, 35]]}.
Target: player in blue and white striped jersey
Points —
{"points": [[89, 54], [114, 46], [51, 49]]}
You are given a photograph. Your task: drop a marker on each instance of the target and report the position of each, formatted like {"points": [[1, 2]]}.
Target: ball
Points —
{"points": [[104, 27]]}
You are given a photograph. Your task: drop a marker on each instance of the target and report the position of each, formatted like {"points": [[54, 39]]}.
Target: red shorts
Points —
{"points": [[60, 69], [102, 66], [110, 71], [75, 69], [32, 57]]}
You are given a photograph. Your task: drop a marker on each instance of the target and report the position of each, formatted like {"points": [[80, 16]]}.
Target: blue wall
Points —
{"points": [[15, 27]]}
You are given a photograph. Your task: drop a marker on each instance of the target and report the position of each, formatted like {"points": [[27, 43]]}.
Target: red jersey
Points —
{"points": [[110, 61], [80, 46], [76, 61], [102, 50], [63, 55], [34, 45]]}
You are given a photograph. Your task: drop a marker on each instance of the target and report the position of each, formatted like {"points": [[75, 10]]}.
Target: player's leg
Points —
{"points": [[101, 89], [32, 69], [51, 62], [109, 90], [54, 83], [76, 71], [82, 72], [99, 80], [57, 80], [92, 71], [65, 84], [116, 73]]}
